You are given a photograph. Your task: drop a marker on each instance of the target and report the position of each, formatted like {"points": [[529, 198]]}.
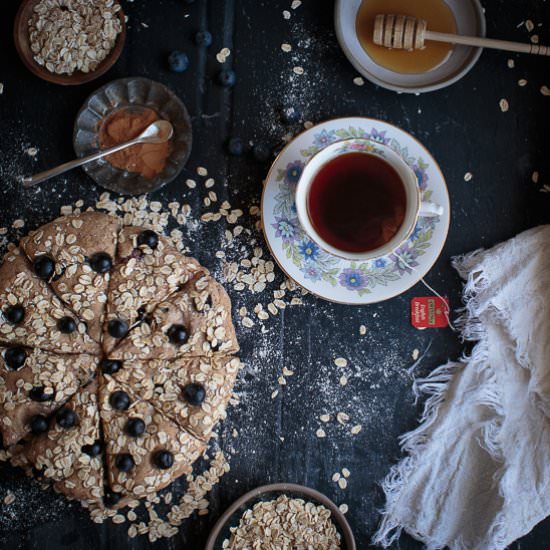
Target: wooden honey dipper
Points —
{"points": [[409, 33]]}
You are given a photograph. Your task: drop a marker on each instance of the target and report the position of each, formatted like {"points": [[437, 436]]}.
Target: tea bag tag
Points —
{"points": [[430, 312]]}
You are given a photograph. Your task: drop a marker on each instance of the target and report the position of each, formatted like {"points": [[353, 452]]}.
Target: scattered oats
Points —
{"points": [[343, 508], [341, 362], [32, 151], [274, 394], [336, 477], [504, 105], [529, 25], [545, 90], [468, 176], [191, 184], [535, 177], [511, 63], [325, 418], [342, 483], [308, 124], [248, 322], [281, 381], [342, 418], [535, 39], [359, 81], [356, 429], [286, 14], [346, 472], [202, 171], [415, 353], [287, 372], [286, 47], [1, 88], [209, 183], [295, 4], [343, 381], [9, 498], [320, 433], [223, 54], [18, 224], [298, 70], [545, 188], [362, 330], [522, 82], [144, 25]]}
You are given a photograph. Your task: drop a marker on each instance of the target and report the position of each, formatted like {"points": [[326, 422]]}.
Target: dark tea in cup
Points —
{"points": [[357, 202]]}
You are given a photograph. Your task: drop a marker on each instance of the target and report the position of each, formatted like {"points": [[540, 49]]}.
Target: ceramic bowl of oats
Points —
{"points": [[69, 42], [282, 515]]}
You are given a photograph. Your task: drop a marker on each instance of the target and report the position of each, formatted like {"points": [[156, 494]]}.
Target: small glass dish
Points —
{"points": [[232, 516], [132, 92]]}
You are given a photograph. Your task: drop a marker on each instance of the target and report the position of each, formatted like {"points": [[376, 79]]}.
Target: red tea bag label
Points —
{"points": [[429, 312]]}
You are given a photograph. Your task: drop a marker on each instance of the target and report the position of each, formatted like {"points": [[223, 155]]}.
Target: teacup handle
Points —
{"points": [[430, 210]]}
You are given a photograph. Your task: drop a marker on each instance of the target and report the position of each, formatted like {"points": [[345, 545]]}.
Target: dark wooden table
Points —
{"points": [[463, 127]]}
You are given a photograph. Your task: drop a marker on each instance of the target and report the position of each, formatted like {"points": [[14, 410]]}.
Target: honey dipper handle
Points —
{"points": [[506, 45]]}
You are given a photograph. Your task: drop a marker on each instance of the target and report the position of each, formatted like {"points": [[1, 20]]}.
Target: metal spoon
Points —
{"points": [[157, 132]]}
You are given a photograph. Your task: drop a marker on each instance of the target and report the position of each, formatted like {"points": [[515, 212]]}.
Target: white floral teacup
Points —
{"points": [[414, 209]]}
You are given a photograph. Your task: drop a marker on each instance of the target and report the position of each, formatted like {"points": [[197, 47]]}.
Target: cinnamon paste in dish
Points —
{"points": [[125, 124]]}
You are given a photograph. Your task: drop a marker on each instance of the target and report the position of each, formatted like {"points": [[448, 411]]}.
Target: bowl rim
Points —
{"points": [[308, 492], [466, 68], [20, 34]]}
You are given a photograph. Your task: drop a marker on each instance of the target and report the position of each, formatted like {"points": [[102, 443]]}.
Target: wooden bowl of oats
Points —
{"points": [[69, 42], [282, 512]]}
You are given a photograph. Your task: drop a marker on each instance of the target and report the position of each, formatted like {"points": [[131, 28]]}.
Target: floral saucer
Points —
{"points": [[324, 274]]}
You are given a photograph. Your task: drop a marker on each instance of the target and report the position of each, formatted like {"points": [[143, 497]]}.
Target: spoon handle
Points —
{"points": [[29, 181]]}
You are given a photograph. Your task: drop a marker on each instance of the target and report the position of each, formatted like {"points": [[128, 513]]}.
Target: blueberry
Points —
{"points": [[39, 424], [124, 462], [148, 238], [66, 325], [203, 38], [178, 61], [163, 459], [119, 400], [38, 393], [44, 267], [93, 450], [290, 115], [110, 366], [117, 328], [194, 394], [235, 146], [227, 78], [15, 358], [177, 334], [110, 498], [135, 427], [101, 262], [66, 417], [261, 152], [14, 314]]}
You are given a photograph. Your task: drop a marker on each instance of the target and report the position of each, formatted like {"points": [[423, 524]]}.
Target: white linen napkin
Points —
{"points": [[477, 470]]}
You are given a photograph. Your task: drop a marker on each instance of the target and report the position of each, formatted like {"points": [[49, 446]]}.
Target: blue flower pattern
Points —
{"points": [[317, 265]]}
